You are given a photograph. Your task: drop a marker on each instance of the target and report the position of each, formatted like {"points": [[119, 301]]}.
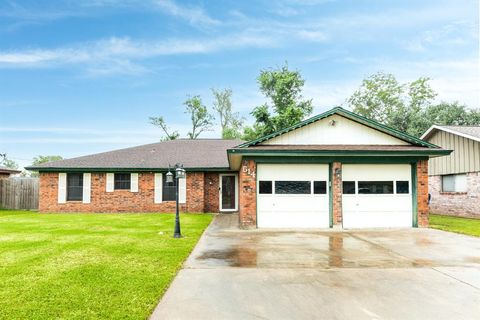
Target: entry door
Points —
{"points": [[228, 192]]}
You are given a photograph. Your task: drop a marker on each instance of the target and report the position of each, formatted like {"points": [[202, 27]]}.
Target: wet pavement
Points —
{"points": [[310, 274]]}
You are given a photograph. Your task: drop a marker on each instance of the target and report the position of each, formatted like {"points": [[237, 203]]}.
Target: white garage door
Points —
{"points": [[292, 196], [377, 196]]}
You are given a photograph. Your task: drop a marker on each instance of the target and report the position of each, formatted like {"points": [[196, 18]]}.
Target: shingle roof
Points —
{"points": [[470, 132], [8, 170], [473, 131], [199, 153]]}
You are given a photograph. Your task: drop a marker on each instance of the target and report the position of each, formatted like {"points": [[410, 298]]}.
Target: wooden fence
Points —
{"points": [[19, 193]]}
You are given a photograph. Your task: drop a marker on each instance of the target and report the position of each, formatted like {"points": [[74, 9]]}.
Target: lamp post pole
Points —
{"points": [[177, 233]]}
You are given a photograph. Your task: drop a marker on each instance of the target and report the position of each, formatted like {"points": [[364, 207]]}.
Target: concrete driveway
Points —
{"points": [[388, 274]]}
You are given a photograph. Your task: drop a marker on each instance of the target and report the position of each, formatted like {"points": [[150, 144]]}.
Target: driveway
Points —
{"points": [[387, 274]]}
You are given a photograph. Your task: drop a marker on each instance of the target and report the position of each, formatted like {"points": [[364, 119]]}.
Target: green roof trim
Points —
{"points": [[42, 169], [349, 115], [247, 151]]}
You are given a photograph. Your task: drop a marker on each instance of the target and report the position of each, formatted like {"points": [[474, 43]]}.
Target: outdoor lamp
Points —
{"points": [[169, 177], [180, 172]]}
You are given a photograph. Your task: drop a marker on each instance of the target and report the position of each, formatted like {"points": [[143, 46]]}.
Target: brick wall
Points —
{"points": [[121, 200], [463, 204], [248, 194], [212, 192], [422, 193], [337, 194]]}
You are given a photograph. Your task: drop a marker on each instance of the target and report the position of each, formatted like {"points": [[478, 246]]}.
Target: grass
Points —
{"points": [[456, 224], [79, 266]]}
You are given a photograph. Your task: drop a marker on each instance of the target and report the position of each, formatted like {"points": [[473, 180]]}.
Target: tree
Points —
{"points": [[230, 122], [201, 119], [407, 107], [43, 159], [160, 122], [283, 87], [8, 163]]}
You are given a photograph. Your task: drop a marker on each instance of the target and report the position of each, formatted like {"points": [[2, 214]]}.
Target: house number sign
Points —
{"points": [[247, 170]]}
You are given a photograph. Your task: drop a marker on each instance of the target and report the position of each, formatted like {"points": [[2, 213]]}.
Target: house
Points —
{"points": [[336, 168], [454, 181], [7, 172]]}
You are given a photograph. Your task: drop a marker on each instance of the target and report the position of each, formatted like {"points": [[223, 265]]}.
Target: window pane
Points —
{"points": [[265, 187], [348, 187], [460, 183], [74, 186], [168, 192], [320, 187], [122, 181], [375, 187], [402, 186], [292, 187], [448, 183]]}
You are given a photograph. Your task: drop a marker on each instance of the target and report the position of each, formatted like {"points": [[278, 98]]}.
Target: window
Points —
{"points": [[348, 187], [122, 181], [402, 186], [265, 187], [168, 192], [74, 186], [320, 187], [293, 187], [454, 183], [375, 187]]}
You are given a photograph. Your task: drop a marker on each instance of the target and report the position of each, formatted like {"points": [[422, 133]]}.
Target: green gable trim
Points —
{"points": [[349, 115], [110, 170]]}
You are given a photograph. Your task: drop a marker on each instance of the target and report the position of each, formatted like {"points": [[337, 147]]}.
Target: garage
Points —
{"points": [[376, 196], [292, 196]]}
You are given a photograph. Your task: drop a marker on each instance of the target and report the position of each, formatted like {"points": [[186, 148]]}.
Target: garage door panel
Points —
{"points": [[377, 210], [290, 210]]}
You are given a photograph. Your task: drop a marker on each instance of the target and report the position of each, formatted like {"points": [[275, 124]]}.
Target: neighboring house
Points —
{"points": [[454, 181], [7, 172], [337, 168]]}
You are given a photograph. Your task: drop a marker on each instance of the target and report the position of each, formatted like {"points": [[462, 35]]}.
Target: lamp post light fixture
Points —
{"points": [[179, 174]]}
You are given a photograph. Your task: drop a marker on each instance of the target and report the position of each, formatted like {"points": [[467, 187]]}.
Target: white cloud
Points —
{"points": [[194, 15]]}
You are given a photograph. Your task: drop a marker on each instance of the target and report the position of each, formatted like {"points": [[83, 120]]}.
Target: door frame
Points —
{"points": [[220, 176]]}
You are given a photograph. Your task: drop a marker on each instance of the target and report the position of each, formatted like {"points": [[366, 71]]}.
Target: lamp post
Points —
{"points": [[179, 174]]}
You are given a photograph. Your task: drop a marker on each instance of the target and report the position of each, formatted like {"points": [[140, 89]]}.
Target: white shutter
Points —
{"points": [[133, 182], [110, 180], [87, 180], [62, 187], [182, 190], [158, 187]]}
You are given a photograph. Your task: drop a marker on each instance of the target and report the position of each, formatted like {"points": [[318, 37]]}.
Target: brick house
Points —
{"points": [[336, 168], [7, 172], [454, 181]]}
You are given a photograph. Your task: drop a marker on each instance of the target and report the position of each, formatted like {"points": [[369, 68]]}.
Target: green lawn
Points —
{"points": [[78, 266], [456, 224]]}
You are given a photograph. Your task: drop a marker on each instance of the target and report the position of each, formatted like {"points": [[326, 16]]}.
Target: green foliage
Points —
{"points": [[230, 122], [9, 163], [407, 107], [43, 159], [160, 122], [201, 119], [95, 266], [283, 87], [456, 224]]}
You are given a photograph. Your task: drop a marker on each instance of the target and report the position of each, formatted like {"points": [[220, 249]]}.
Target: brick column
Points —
{"points": [[195, 192], [337, 194], [248, 194], [422, 193]]}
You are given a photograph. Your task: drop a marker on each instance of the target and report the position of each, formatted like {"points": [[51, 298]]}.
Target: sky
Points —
{"points": [[80, 77]]}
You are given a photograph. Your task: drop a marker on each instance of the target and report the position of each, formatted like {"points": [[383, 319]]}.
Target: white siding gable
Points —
{"points": [[345, 131]]}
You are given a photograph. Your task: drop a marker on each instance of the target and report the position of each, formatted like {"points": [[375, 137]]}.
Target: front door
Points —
{"points": [[228, 192]]}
